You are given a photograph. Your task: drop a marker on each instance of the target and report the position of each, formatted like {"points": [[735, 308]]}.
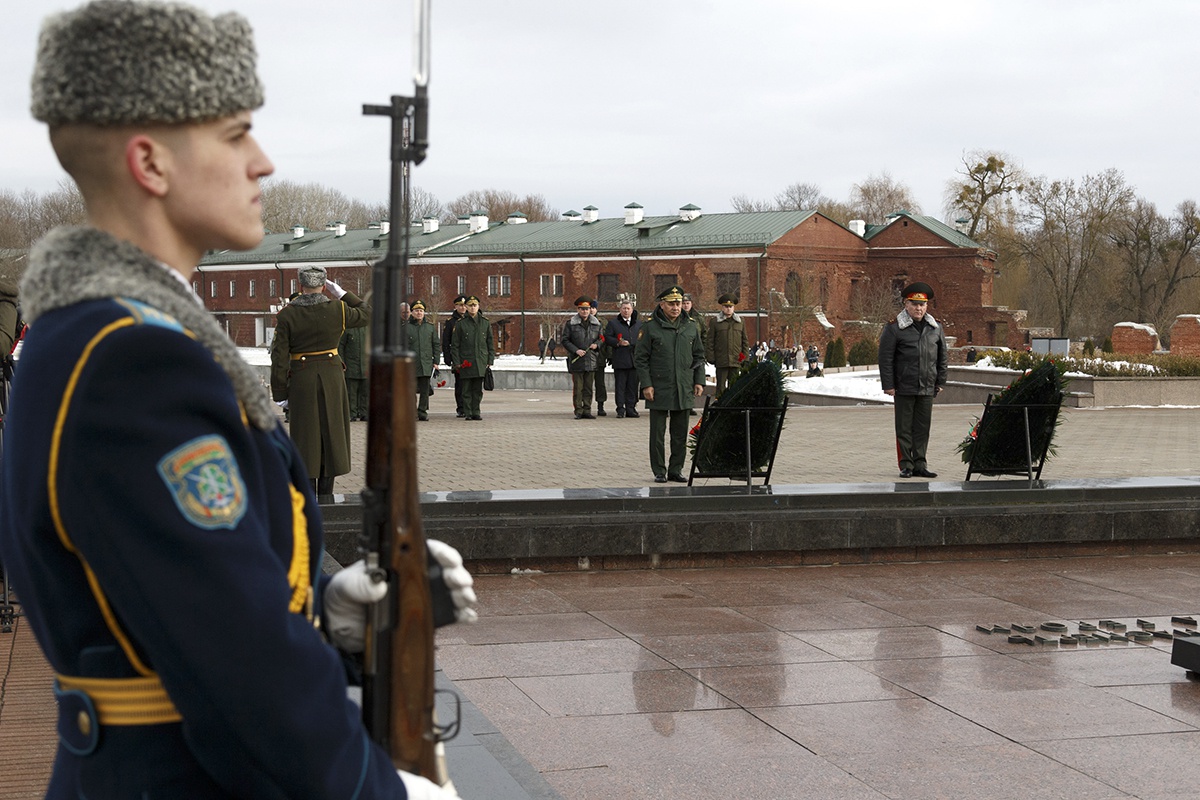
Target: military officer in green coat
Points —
{"points": [[353, 349], [694, 316], [726, 345], [669, 358], [423, 339], [307, 373], [473, 350]]}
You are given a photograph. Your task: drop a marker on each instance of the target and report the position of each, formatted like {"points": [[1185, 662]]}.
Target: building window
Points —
{"points": [[552, 285], [607, 287], [824, 291], [664, 282], [793, 289], [274, 286], [435, 285], [253, 288], [499, 285], [212, 290], [408, 286], [292, 290], [729, 283], [196, 288], [462, 284], [232, 288]]}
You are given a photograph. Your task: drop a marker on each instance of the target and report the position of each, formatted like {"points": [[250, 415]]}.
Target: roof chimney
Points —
{"points": [[478, 221], [962, 224], [339, 228], [590, 213], [689, 212], [430, 225], [517, 218], [463, 219], [858, 226], [385, 225], [634, 214], [571, 216], [297, 231]]}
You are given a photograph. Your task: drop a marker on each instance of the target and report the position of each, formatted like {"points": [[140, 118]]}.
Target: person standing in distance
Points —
{"points": [[695, 319], [460, 311], [912, 368], [726, 345], [422, 338], [307, 372], [472, 352], [669, 357], [581, 337], [166, 540], [621, 334]]}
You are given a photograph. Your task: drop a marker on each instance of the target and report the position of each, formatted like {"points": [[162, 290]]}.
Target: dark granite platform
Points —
{"points": [[812, 523]]}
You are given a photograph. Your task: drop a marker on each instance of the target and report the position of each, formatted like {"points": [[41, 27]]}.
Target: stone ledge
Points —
{"points": [[699, 526]]}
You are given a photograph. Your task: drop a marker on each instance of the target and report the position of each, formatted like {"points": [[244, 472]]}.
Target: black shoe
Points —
{"points": [[906, 473], [587, 415], [675, 477], [422, 418], [474, 416], [578, 415], [660, 478], [924, 473], [693, 413], [600, 411], [460, 413], [620, 413], [632, 413]]}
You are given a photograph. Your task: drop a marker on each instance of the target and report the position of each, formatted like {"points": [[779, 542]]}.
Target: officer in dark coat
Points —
{"points": [[156, 517], [307, 373], [726, 346], [912, 367], [621, 335], [353, 350], [460, 311], [581, 337], [694, 316], [669, 357], [472, 352], [423, 340]]}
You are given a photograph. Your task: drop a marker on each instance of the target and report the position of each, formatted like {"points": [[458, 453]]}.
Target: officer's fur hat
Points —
{"points": [[312, 277], [118, 62]]}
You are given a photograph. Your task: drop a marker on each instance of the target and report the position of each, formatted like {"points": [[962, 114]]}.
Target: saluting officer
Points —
{"points": [[669, 357], [157, 518], [472, 352], [307, 373], [423, 339]]}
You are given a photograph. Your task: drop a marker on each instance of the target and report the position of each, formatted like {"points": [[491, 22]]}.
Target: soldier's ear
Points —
{"points": [[148, 162]]}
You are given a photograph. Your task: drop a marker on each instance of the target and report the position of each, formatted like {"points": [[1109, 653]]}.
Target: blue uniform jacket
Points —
{"points": [[151, 531]]}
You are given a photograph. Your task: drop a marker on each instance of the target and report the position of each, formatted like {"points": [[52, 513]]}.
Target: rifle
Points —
{"points": [[398, 682]]}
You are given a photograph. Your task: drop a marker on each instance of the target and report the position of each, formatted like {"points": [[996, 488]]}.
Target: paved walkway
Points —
{"points": [[827, 682]]}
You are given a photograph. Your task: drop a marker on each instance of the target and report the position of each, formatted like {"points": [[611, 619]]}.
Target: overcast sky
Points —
{"points": [[665, 102]]}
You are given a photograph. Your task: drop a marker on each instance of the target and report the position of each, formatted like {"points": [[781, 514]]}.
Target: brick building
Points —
{"points": [[801, 276]]}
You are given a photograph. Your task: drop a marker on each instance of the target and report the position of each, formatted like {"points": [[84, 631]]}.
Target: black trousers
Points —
{"points": [[625, 390], [914, 416], [458, 394]]}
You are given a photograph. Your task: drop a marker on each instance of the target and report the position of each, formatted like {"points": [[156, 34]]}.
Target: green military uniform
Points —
{"points": [[669, 357], [726, 344], [306, 371], [423, 340], [353, 349], [603, 356], [472, 350]]}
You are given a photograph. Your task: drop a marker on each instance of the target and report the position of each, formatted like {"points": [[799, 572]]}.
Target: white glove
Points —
{"points": [[419, 788], [282, 404], [346, 599], [457, 579], [335, 290]]}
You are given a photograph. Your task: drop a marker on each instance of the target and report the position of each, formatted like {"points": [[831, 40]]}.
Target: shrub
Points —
{"points": [[1106, 366], [835, 356], [863, 352], [1089, 347], [1107, 346]]}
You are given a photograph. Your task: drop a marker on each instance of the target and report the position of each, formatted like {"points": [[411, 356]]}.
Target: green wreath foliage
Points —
{"points": [[722, 448], [999, 446]]}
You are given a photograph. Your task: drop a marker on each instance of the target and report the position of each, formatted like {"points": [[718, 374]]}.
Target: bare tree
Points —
{"points": [[742, 204], [800, 197], [880, 195], [1066, 235], [981, 193], [498, 204], [876, 302], [287, 203], [1156, 257], [424, 203]]}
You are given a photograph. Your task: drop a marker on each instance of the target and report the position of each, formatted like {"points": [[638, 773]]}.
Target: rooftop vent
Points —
{"points": [[591, 214], [385, 225], [297, 231], [517, 218], [689, 212], [478, 221], [464, 219], [858, 226], [572, 216], [634, 214], [430, 225]]}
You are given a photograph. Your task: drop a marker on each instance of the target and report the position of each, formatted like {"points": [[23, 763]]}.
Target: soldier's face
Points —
{"points": [[672, 308], [915, 309], [418, 314], [727, 310], [687, 305], [584, 312], [472, 309]]}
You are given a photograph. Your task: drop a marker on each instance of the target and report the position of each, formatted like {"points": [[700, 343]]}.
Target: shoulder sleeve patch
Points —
{"points": [[149, 315], [205, 482]]}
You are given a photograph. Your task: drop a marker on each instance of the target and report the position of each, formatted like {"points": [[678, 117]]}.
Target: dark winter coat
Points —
{"points": [[353, 349], [304, 373], [473, 343], [616, 331], [581, 334], [912, 356], [726, 344], [670, 357], [423, 341], [448, 336]]}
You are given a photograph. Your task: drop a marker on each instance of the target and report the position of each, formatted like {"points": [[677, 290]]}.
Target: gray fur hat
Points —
{"points": [[117, 62], [312, 277]]}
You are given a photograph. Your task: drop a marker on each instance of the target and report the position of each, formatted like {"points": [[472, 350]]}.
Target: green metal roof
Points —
{"points": [[934, 226], [320, 245], [653, 233]]}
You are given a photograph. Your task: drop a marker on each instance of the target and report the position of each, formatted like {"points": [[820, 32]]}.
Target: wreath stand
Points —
{"points": [[728, 464], [1037, 422]]}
